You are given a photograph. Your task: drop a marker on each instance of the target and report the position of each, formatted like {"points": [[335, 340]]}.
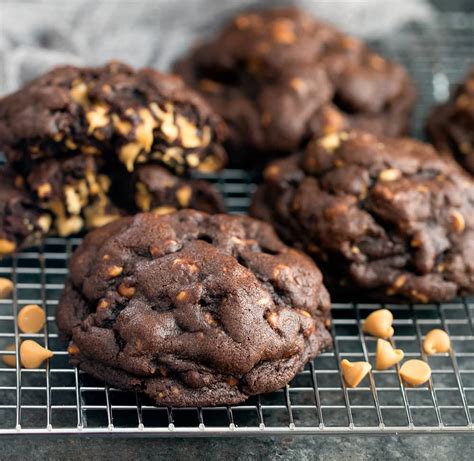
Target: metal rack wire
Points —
{"points": [[58, 398]]}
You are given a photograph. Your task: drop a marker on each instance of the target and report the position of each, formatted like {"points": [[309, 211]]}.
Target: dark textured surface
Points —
{"points": [[279, 77], [451, 125], [193, 309], [289, 448], [388, 216], [21, 222]]}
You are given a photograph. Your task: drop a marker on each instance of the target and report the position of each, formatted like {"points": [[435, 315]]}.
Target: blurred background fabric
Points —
{"points": [[36, 35]]}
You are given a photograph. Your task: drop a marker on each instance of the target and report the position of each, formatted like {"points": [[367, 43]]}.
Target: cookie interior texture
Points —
{"points": [[22, 222], [387, 218], [451, 125], [193, 309], [113, 110], [279, 77], [81, 139]]}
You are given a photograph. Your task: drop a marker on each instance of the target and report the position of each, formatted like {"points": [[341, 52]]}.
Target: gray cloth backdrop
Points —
{"points": [[36, 35]]}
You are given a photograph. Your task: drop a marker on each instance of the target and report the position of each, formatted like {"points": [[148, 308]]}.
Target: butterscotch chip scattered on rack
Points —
{"points": [[386, 356], [415, 372], [10, 360], [31, 318], [6, 287], [32, 355], [354, 372], [436, 341], [379, 324]]}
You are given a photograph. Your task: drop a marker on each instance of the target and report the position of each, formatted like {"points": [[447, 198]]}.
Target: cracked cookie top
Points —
{"points": [[192, 308]]}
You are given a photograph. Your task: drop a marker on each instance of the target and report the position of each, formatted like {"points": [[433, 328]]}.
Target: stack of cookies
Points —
{"points": [[200, 308], [85, 146]]}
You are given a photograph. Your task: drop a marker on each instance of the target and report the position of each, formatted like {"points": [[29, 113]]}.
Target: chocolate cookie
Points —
{"points": [[192, 309], [451, 125], [279, 77], [385, 218], [22, 223], [114, 110]]}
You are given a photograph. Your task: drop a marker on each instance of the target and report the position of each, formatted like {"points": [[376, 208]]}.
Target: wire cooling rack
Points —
{"points": [[58, 398]]}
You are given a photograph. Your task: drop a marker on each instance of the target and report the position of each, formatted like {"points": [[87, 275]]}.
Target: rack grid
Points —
{"points": [[58, 398]]}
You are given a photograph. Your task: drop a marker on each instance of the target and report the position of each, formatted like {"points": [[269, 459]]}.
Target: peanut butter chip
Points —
{"points": [[354, 372], [379, 323], [6, 287], [44, 222], [7, 246], [44, 190], [184, 194], [129, 153], [330, 142], [162, 210], [126, 291], [436, 341], [458, 222], [283, 31], [10, 360], [31, 318], [79, 93], [390, 174], [73, 349], [32, 355], [386, 356], [97, 118], [415, 372], [114, 271]]}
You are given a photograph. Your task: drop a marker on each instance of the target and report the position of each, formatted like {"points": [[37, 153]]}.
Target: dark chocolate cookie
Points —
{"points": [[451, 125], [22, 223], [192, 309], [114, 110], [279, 77], [385, 218]]}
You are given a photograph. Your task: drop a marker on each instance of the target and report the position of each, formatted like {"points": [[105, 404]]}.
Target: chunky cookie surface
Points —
{"points": [[22, 223], [114, 110], [193, 309], [94, 144], [278, 77], [451, 125], [385, 218]]}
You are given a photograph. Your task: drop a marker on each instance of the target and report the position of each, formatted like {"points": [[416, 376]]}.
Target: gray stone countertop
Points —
{"points": [[410, 447]]}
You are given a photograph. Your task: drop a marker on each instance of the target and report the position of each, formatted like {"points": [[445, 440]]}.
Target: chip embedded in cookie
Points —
{"points": [[385, 218], [193, 309]]}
